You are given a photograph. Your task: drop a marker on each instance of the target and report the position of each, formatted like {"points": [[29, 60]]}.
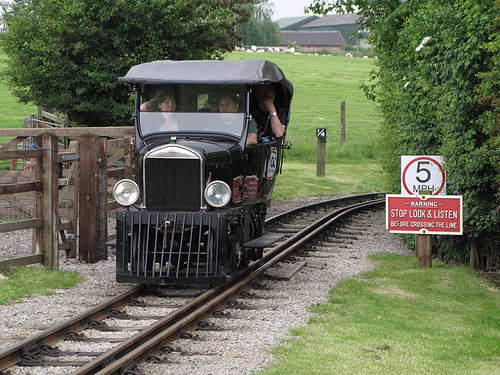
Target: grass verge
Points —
{"points": [[25, 281], [399, 319], [299, 180]]}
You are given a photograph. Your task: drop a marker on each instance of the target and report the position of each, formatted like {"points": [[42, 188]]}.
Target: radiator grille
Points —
{"points": [[160, 248], [172, 184]]}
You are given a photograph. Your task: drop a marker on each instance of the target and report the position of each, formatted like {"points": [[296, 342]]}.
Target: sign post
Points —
{"points": [[321, 135], [423, 244], [423, 175], [424, 215]]}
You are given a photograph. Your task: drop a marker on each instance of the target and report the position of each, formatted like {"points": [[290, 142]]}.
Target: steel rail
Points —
{"points": [[12, 355], [322, 203], [209, 301]]}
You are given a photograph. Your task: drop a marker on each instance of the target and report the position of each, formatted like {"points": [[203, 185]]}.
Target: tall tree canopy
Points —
{"points": [[437, 82], [67, 54], [259, 29]]}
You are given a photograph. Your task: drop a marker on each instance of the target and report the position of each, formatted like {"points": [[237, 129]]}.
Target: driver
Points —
{"points": [[229, 103]]}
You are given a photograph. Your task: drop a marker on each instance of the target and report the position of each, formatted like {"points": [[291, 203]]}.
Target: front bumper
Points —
{"points": [[164, 248]]}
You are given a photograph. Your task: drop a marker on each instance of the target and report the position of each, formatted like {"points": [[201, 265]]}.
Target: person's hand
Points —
{"points": [[269, 105]]}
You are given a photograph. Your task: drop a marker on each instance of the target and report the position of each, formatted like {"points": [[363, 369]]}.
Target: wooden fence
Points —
{"points": [[72, 189]]}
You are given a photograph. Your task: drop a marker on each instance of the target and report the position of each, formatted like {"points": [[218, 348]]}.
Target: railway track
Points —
{"points": [[139, 324]]}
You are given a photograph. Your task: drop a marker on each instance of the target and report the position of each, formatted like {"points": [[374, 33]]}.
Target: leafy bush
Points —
{"points": [[437, 82], [66, 55]]}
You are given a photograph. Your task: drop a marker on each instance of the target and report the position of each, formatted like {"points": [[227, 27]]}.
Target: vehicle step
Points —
{"points": [[265, 240]]}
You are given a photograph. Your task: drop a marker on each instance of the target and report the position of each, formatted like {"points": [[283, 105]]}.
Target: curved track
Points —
{"points": [[301, 225]]}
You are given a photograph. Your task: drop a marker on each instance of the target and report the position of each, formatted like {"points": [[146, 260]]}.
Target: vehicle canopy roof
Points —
{"points": [[214, 72]]}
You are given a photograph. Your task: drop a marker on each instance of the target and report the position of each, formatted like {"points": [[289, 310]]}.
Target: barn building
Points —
{"points": [[293, 23], [346, 24], [313, 40]]}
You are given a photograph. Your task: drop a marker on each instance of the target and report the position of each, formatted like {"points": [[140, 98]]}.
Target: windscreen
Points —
{"points": [[192, 109]]}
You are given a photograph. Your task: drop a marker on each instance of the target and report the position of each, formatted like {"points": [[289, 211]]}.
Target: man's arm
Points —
{"points": [[276, 126]]}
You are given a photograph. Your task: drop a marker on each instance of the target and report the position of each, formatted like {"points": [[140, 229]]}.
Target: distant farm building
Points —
{"points": [[346, 24], [293, 23], [313, 40]]}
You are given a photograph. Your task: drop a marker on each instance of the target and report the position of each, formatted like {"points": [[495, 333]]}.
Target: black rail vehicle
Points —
{"points": [[195, 214]]}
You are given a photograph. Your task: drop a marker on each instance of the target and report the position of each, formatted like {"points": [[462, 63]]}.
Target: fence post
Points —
{"points": [[37, 245], [50, 200], [73, 174], [342, 122], [93, 220], [128, 153], [87, 198], [102, 199]]}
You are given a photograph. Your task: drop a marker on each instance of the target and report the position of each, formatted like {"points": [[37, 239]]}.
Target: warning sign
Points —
{"points": [[422, 173], [424, 214]]}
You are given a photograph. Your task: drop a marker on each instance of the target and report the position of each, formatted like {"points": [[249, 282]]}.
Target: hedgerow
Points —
{"points": [[437, 82]]}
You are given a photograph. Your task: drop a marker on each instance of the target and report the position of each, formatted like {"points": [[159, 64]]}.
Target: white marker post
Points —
{"points": [[322, 136]]}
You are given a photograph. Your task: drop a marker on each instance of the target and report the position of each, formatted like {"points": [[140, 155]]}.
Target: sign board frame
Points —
{"points": [[421, 209]]}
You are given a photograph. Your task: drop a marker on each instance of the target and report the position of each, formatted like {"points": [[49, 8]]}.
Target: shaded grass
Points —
{"points": [[26, 281], [399, 319]]}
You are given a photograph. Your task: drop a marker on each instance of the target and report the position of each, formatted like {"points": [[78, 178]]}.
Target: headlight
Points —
{"points": [[126, 192], [217, 193]]}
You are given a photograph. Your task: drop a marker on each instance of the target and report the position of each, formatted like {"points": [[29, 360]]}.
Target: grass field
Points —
{"points": [[320, 84], [11, 111], [399, 319]]}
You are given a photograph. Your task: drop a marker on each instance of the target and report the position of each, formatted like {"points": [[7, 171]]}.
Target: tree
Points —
{"points": [[437, 82], [259, 29], [67, 54]]}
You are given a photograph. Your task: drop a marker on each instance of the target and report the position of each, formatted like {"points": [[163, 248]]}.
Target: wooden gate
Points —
{"points": [[79, 192]]}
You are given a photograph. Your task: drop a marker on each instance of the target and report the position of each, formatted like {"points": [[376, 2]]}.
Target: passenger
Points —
{"points": [[265, 95], [163, 101], [229, 103]]}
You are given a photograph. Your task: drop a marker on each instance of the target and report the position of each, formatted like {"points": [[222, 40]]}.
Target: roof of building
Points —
{"points": [[287, 22], [333, 20], [313, 38]]}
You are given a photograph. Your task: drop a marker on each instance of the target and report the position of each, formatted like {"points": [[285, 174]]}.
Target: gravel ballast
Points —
{"points": [[236, 345]]}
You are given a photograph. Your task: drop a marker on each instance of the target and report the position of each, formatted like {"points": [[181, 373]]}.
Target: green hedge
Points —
{"points": [[437, 82]]}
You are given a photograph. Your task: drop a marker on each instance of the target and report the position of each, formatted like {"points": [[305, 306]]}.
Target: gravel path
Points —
{"points": [[241, 344]]}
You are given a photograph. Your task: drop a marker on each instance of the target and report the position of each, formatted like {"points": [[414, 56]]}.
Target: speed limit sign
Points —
{"points": [[422, 173]]}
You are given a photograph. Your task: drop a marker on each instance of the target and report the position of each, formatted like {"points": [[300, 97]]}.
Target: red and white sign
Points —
{"points": [[424, 214], [422, 173], [248, 190]]}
